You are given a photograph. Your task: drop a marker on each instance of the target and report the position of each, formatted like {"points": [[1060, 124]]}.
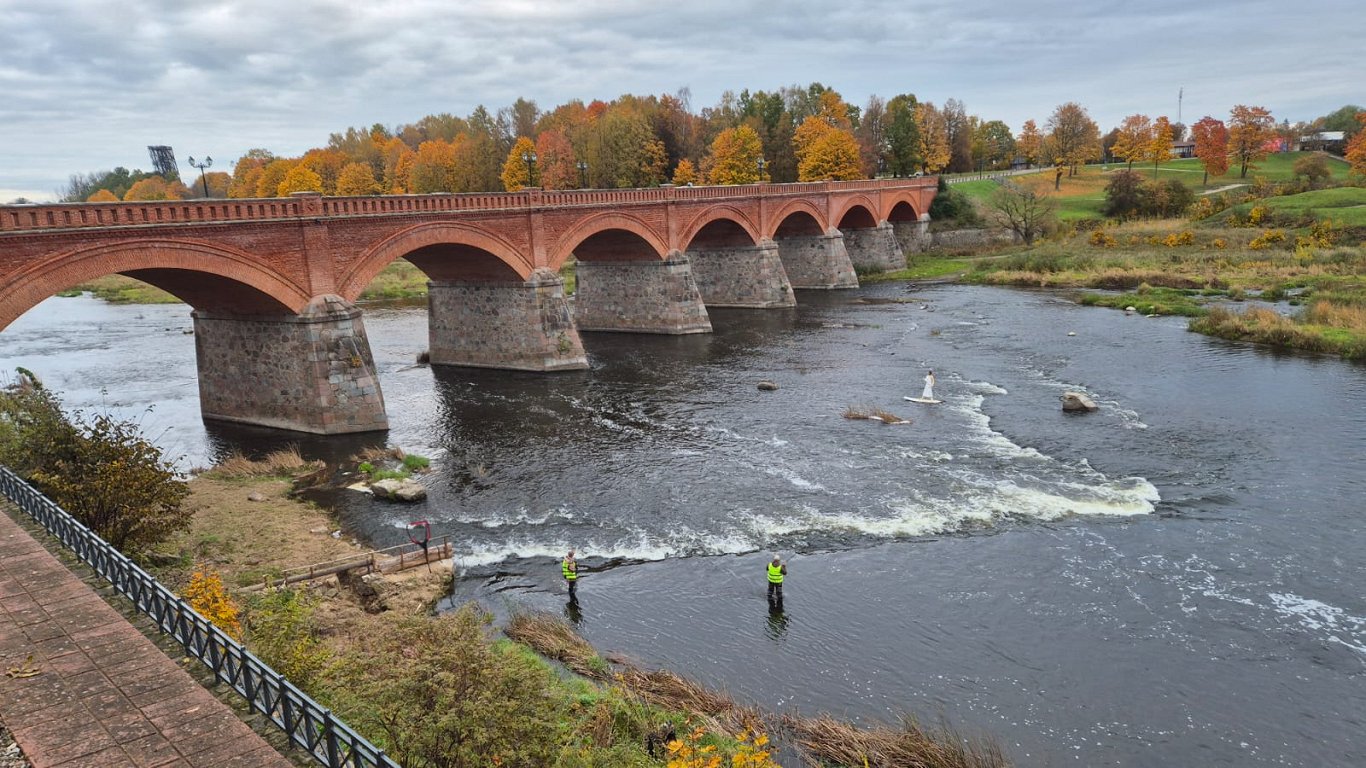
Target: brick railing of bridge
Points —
{"points": [[25, 218]]}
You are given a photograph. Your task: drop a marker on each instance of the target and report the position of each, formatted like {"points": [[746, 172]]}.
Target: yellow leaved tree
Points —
{"points": [[934, 137], [685, 173], [357, 179], [519, 170], [103, 196], [825, 151], [734, 157], [300, 178]]}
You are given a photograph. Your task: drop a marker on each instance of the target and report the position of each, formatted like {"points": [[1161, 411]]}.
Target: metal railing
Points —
{"points": [[308, 725]]}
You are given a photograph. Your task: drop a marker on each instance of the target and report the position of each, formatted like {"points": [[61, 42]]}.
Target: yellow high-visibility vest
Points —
{"points": [[570, 573], [775, 574]]}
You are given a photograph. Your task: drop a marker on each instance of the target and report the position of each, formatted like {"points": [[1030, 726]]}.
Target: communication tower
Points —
{"points": [[163, 162]]}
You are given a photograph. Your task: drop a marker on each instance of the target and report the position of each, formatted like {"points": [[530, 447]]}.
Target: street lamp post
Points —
{"points": [[208, 161], [761, 163], [583, 174], [530, 159]]}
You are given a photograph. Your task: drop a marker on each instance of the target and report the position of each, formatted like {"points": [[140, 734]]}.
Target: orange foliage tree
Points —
{"points": [[1135, 136], [934, 137], [433, 168], [1250, 129], [685, 173], [300, 178], [826, 152], [156, 188], [1073, 137], [519, 169], [357, 179], [556, 161], [1160, 145], [1356, 148], [246, 175], [103, 196], [1030, 143], [272, 175], [1211, 146], [734, 157]]}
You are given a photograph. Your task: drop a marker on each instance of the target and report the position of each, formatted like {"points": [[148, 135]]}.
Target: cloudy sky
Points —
{"points": [[86, 85]]}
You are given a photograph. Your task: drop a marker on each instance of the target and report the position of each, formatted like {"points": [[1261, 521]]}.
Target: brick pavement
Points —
{"points": [[105, 696]]}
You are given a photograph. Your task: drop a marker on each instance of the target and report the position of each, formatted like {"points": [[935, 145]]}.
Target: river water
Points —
{"points": [[1174, 580]]}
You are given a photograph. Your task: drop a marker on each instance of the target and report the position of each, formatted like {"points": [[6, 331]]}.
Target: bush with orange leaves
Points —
{"points": [[207, 595], [690, 752]]}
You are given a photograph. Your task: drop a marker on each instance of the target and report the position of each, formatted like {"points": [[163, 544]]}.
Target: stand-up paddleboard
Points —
{"points": [[925, 400]]}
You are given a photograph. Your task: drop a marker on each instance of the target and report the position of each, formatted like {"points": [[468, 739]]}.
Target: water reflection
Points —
{"points": [[776, 627]]}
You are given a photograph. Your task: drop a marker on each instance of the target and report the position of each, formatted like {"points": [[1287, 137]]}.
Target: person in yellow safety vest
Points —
{"points": [[570, 567], [776, 572]]}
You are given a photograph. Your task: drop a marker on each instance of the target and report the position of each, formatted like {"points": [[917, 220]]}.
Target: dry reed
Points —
{"points": [[836, 742], [856, 412], [282, 463]]}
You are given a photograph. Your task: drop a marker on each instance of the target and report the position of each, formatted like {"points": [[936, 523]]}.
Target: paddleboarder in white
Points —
{"points": [[928, 394]]}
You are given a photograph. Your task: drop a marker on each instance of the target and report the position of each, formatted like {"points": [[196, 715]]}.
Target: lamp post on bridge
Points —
{"points": [[208, 161], [583, 174], [761, 163], [530, 159]]}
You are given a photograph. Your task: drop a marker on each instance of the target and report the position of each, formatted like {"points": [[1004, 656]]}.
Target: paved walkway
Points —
{"points": [[104, 695]]}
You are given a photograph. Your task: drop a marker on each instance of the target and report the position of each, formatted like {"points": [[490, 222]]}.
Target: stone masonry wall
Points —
{"points": [[819, 261], [640, 297], [307, 373], [742, 276], [912, 236], [517, 326], [874, 249]]}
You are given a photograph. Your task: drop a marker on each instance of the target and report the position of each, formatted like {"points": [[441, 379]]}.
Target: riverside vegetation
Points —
{"points": [[444, 690]]}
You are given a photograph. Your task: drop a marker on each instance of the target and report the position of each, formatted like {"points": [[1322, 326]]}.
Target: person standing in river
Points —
{"points": [[776, 572], [570, 568]]}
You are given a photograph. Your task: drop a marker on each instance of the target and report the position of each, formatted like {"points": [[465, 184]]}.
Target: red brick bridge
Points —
{"points": [[280, 343]]}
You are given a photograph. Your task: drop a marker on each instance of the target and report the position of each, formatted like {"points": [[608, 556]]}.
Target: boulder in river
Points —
{"points": [[1076, 401], [394, 489], [767, 386]]}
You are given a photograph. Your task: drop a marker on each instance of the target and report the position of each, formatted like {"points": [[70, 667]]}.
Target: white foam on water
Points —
{"points": [[981, 431], [1330, 621], [986, 388], [792, 477]]}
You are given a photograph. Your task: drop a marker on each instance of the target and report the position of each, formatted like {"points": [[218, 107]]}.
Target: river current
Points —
{"points": [[1173, 580]]}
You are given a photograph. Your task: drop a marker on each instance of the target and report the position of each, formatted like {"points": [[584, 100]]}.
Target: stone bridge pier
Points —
{"points": [[491, 324], [732, 270], [874, 249], [913, 235], [311, 372], [623, 285]]}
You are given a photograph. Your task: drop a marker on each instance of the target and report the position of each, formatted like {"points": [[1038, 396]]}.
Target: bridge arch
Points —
{"points": [[795, 217], [444, 251], [609, 236], [902, 209], [236, 282], [859, 211], [720, 219]]}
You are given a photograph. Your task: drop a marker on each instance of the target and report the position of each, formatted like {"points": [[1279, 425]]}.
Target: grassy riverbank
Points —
{"points": [[419, 684]]}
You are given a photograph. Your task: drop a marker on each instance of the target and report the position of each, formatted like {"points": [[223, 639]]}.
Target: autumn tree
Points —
{"points": [[871, 135], [1250, 129], [398, 166], [156, 188], [1313, 168], [734, 157], [357, 179], [102, 196], [1211, 146], [300, 178], [218, 183], [1073, 137], [992, 144], [433, 168], [826, 152], [1134, 139], [958, 132], [272, 175], [1356, 148], [685, 174], [934, 137], [1030, 143], [246, 174], [1160, 145], [519, 170], [556, 161]]}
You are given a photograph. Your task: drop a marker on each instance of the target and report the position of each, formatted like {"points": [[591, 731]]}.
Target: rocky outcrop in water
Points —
{"points": [[1078, 402], [398, 490]]}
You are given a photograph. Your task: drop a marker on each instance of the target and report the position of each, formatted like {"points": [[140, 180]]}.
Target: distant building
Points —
{"points": [[1324, 141], [1183, 149]]}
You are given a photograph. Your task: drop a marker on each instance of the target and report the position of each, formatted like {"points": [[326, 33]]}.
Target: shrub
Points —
{"points": [[413, 463], [1122, 194], [1177, 239], [952, 205], [282, 631], [438, 694], [1266, 239], [206, 594], [101, 470], [1102, 239]]}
